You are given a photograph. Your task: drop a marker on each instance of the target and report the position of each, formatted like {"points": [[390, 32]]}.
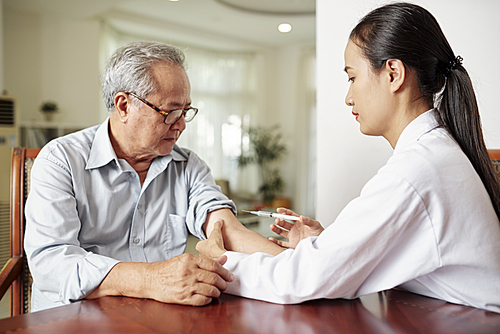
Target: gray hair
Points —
{"points": [[129, 69]]}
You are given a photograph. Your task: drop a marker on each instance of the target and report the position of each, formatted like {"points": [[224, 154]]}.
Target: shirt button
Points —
{"points": [[138, 206], [137, 240]]}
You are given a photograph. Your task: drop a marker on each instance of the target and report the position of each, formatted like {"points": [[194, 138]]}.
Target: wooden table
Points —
{"points": [[385, 312]]}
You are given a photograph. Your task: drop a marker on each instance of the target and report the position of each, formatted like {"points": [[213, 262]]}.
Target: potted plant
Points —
{"points": [[266, 149], [49, 108]]}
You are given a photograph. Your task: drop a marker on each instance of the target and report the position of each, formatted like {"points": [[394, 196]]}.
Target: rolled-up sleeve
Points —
{"points": [[84, 276], [204, 195]]}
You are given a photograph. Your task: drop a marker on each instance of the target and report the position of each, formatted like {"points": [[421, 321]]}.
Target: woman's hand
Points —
{"points": [[213, 247], [303, 228]]}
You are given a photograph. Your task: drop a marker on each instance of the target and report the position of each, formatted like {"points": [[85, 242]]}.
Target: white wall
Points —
{"points": [[284, 106], [22, 63], [346, 158], [52, 58]]}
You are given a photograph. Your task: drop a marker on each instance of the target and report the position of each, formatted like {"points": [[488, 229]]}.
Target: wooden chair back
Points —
{"points": [[15, 273], [495, 159]]}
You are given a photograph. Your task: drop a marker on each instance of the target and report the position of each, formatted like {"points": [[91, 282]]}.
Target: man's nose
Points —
{"points": [[180, 124]]}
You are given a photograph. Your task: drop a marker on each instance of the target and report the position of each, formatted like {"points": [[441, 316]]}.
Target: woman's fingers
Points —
{"points": [[279, 231], [279, 242], [315, 226], [283, 224], [285, 211]]}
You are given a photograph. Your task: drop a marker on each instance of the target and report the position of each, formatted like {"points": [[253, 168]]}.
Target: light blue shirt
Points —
{"points": [[87, 211]]}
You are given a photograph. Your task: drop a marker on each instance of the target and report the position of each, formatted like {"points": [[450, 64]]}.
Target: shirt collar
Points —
{"points": [[421, 125], [101, 152], [178, 154]]}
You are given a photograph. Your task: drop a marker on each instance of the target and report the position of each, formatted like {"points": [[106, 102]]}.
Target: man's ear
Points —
{"points": [[396, 74], [122, 104]]}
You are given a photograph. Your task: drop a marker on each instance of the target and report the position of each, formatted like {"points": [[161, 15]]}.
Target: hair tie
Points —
{"points": [[452, 65]]}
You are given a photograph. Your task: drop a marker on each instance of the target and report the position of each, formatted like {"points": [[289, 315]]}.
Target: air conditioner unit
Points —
{"points": [[9, 134]]}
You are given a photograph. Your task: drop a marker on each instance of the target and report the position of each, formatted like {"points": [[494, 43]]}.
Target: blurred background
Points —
{"points": [[244, 74]]}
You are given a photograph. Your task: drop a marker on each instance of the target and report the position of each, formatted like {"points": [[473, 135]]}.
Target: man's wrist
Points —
{"points": [[130, 279]]}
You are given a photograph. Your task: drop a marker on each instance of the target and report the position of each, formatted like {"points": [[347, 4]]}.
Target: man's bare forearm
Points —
{"points": [[237, 237], [184, 279], [124, 279]]}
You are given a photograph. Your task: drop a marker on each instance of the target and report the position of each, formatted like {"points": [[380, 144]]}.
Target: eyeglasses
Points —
{"points": [[170, 116]]}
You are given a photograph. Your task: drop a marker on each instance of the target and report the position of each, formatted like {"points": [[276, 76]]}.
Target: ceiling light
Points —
{"points": [[285, 27]]}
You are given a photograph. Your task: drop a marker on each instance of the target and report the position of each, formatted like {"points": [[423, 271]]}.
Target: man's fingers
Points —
{"points": [[215, 281], [222, 260], [215, 267], [189, 279], [203, 294], [208, 278], [198, 300]]}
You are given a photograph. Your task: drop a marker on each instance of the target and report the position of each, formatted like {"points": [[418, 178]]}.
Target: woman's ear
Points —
{"points": [[121, 106], [396, 72]]}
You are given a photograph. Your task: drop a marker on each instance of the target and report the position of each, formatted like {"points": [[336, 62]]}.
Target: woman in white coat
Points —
{"points": [[428, 221]]}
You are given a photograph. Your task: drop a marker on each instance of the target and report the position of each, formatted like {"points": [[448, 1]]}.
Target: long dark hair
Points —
{"points": [[411, 34]]}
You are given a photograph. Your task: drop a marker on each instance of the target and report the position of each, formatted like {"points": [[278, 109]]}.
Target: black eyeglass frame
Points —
{"points": [[181, 112]]}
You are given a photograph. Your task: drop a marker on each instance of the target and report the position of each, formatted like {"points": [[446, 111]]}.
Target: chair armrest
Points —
{"points": [[9, 273]]}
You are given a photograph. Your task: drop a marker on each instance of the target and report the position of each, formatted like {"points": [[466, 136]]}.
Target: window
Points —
{"points": [[223, 87]]}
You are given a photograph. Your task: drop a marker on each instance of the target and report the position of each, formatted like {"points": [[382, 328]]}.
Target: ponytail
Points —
{"points": [[459, 114], [411, 34]]}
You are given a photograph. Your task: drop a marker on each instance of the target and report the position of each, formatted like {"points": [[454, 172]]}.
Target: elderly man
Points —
{"points": [[111, 205]]}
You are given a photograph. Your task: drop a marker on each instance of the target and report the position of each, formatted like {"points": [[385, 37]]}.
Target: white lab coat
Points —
{"points": [[424, 223]]}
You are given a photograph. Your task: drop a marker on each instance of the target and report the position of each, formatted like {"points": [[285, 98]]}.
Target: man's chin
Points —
{"points": [[166, 149]]}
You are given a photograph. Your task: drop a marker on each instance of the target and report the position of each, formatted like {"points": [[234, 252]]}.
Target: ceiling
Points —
{"points": [[221, 24]]}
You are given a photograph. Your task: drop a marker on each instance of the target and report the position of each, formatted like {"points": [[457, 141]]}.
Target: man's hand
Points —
{"points": [[188, 279], [185, 279], [213, 247], [303, 228]]}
